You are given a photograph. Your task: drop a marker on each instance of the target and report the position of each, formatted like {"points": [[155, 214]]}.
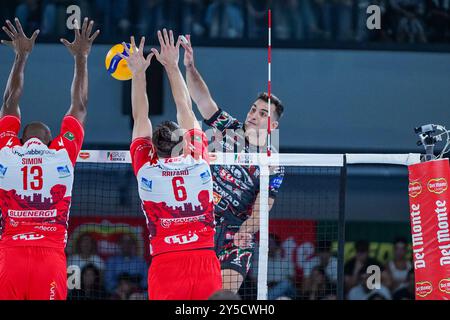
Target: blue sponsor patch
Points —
{"points": [[275, 183], [205, 176], [63, 171], [146, 184], [3, 170]]}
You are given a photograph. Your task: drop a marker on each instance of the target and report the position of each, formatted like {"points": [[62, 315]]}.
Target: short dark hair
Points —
{"points": [[279, 108], [162, 138]]}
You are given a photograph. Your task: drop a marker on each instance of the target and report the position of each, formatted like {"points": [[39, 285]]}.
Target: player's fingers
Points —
{"points": [[11, 27], [149, 58], [172, 40], [64, 42], [94, 36], [8, 33], [179, 41], [166, 37], [77, 28], [7, 43], [89, 28], [188, 37], [123, 56], [155, 53], [141, 45], [19, 26], [160, 38], [133, 43], [84, 27], [125, 46], [35, 34]]}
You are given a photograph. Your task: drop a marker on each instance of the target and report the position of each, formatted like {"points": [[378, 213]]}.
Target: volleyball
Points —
{"points": [[116, 66]]}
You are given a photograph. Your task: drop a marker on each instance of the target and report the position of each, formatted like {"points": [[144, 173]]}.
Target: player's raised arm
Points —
{"points": [[80, 49], [197, 87], [22, 47], [169, 57], [138, 64]]}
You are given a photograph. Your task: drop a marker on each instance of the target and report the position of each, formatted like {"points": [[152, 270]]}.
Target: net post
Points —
{"points": [[341, 230], [263, 249]]}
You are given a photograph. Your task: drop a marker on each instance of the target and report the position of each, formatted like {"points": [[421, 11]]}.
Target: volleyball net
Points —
{"points": [[300, 245]]}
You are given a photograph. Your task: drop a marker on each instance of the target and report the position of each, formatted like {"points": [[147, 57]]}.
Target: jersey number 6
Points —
{"points": [[36, 183], [178, 189]]}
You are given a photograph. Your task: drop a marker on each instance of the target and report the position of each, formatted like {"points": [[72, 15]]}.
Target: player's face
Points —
{"points": [[258, 114]]}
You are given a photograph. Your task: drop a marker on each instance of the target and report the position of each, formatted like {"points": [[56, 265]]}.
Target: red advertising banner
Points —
{"points": [[428, 199]]}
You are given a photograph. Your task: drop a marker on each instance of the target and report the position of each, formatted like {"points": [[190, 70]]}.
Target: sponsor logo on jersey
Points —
{"points": [[33, 152], [30, 236], [216, 198], [171, 173], [13, 223], [33, 141], [45, 228], [146, 184], [116, 156], [69, 136], [173, 160], [205, 176], [166, 223], [414, 189], [226, 176], [3, 170], [437, 185], [424, 288], [276, 182], [53, 287], [84, 155], [444, 285], [32, 213], [181, 238], [63, 171]]}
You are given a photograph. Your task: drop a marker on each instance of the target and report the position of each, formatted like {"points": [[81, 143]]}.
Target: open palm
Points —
{"points": [[136, 61], [19, 41]]}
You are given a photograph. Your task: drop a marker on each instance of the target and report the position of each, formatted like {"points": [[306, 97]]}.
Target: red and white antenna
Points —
{"points": [[269, 89]]}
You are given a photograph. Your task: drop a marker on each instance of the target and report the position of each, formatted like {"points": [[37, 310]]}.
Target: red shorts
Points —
{"points": [[184, 275], [33, 273]]}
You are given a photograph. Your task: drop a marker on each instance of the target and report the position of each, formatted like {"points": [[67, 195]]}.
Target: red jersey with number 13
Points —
{"points": [[176, 194]]}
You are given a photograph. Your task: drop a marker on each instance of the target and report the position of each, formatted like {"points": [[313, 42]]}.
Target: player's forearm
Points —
{"points": [[200, 93], [139, 99], [185, 115], [14, 87], [79, 90]]}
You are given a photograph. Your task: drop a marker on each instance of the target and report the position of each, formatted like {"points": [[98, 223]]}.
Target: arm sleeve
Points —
{"points": [[142, 151], [222, 120], [196, 144], [70, 137], [275, 181], [9, 129]]}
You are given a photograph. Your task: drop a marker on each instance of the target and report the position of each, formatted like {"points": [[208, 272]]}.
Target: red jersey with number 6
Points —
{"points": [[36, 185], [176, 194]]}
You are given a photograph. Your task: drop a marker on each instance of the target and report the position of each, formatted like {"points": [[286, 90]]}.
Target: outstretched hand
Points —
{"points": [[19, 41], [81, 46], [136, 61], [188, 52], [170, 51]]}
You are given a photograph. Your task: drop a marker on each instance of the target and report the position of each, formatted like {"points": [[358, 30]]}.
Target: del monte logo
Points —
{"points": [[424, 288], [444, 285], [414, 189], [437, 185]]}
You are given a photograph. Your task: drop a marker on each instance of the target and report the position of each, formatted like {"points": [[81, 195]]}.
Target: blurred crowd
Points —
{"points": [[123, 276], [402, 21]]}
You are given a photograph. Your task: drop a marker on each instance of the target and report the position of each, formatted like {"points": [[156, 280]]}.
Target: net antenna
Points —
{"points": [[430, 135], [269, 84]]}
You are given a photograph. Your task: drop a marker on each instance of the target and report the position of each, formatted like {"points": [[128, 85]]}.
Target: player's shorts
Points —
{"points": [[231, 256], [184, 275], [33, 273]]}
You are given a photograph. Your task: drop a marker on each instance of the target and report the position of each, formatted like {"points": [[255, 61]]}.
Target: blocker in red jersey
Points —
{"points": [[175, 185], [36, 178]]}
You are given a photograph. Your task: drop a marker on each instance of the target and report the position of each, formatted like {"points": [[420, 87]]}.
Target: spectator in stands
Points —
{"points": [[406, 291], [324, 13], [86, 253], [397, 269], [127, 288], [29, 13], [287, 23], [257, 18], [91, 286], [323, 258], [438, 20], [362, 292], [358, 265], [225, 19], [113, 16], [409, 17], [344, 20], [192, 17], [155, 15], [126, 262], [318, 287]]}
